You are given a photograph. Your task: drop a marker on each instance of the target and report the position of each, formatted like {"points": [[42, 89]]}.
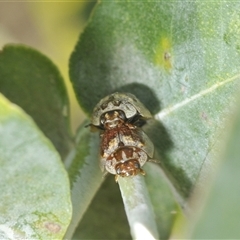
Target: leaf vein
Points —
{"points": [[165, 112]]}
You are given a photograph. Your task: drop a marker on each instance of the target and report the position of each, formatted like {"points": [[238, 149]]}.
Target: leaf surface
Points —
{"points": [[32, 81], [34, 187], [219, 215], [181, 59], [84, 173], [105, 215]]}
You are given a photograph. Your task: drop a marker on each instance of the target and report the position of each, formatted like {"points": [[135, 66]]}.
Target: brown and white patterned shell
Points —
{"points": [[120, 145], [124, 146]]}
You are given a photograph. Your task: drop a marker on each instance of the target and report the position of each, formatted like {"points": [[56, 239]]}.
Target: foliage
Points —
{"points": [[181, 59], [35, 199]]}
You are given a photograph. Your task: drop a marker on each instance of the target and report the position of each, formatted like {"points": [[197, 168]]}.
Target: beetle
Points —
{"points": [[133, 109], [124, 146]]}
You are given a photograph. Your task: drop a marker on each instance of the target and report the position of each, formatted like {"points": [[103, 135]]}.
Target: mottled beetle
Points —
{"points": [[124, 147]]}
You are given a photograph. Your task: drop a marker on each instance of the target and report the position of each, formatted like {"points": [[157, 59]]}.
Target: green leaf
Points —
{"points": [[33, 82], [219, 217], [84, 173], [181, 59], [34, 187], [105, 218], [164, 203]]}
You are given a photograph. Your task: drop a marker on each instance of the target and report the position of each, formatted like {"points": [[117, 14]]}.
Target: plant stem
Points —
{"points": [[138, 208]]}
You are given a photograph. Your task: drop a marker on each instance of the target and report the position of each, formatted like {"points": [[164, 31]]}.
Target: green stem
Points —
{"points": [[138, 208]]}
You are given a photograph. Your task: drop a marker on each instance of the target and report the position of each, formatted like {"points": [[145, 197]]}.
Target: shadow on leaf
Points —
{"points": [[163, 144], [144, 94]]}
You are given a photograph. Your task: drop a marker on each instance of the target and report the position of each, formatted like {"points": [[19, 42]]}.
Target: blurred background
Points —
{"points": [[53, 28]]}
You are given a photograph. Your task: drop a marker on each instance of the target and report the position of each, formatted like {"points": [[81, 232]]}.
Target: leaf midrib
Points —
{"points": [[166, 111]]}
